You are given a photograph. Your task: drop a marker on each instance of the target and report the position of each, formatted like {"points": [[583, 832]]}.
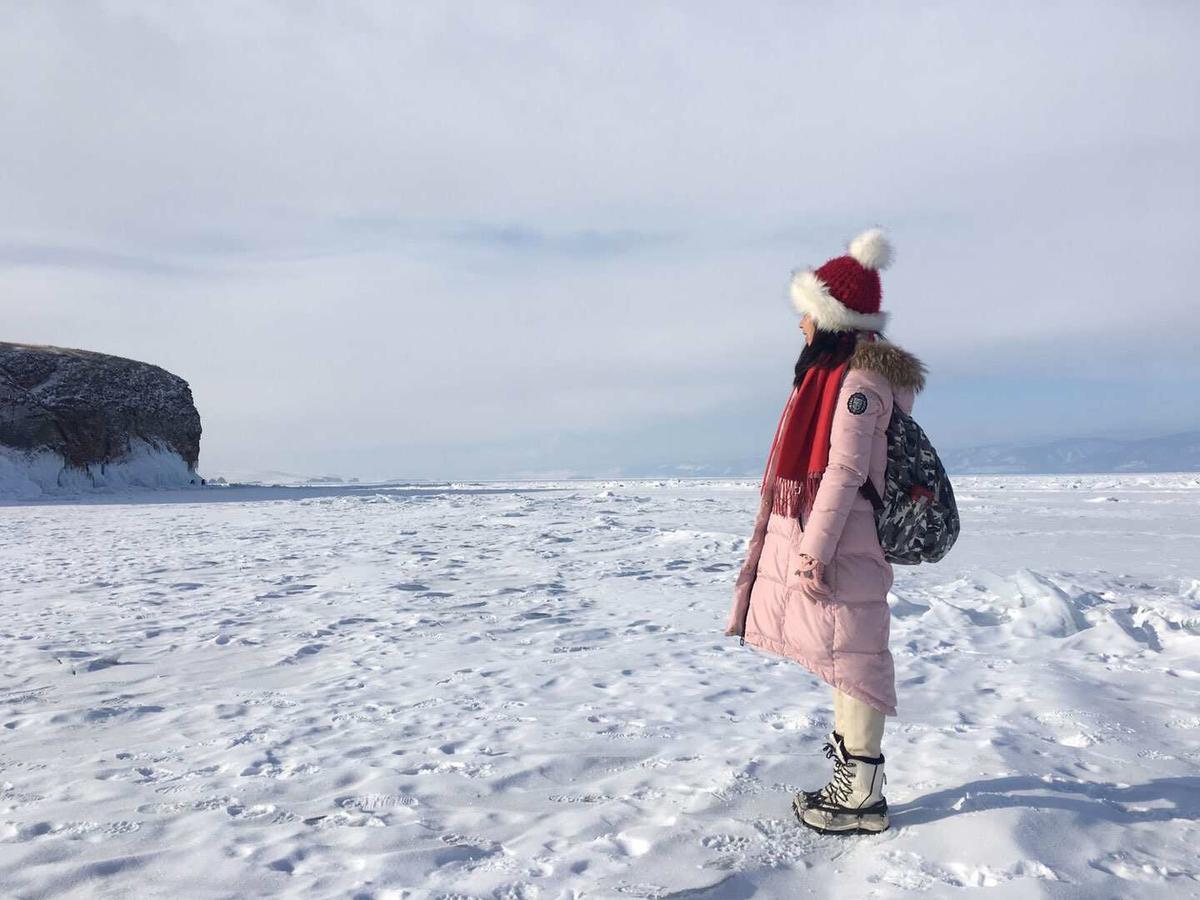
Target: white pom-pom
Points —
{"points": [[872, 249]]}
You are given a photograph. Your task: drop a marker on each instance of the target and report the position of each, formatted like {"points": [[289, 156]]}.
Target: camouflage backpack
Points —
{"points": [[916, 517]]}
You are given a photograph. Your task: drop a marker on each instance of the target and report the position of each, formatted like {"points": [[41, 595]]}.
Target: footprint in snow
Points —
{"points": [[304, 652]]}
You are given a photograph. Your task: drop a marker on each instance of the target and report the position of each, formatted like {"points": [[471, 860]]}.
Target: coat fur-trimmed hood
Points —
{"points": [[898, 366]]}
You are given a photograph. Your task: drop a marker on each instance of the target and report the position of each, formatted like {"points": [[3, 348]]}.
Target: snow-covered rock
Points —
{"points": [[74, 420]]}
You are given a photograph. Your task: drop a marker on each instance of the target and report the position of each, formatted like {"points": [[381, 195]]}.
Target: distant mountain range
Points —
{"points": [[1069, 456], [1074, 456], [1077, 456]]}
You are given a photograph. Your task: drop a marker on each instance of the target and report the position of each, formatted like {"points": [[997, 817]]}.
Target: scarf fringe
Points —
{"points": [[794, 497]]}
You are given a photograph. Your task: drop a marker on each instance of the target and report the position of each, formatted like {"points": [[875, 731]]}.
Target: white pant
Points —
{"points": [[859, 724]]}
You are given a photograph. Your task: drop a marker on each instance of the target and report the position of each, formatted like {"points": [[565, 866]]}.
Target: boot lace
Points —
{"points": [[841, 786], [822, 794]]}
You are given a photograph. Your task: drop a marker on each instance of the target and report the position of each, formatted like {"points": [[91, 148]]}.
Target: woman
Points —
{"points": [[814, 585]]}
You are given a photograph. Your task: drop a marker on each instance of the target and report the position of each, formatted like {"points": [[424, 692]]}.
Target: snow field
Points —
{"points": [[523, 692]]}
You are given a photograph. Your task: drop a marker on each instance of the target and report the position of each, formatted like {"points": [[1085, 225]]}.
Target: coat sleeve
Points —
{"points": [[855, 422]]}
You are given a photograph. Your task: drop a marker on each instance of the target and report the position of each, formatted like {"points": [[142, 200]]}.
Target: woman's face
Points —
{"points": [[809, 327]]}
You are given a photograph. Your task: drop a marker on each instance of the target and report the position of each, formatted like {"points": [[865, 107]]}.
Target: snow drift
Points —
{"points": [[44, 473]]}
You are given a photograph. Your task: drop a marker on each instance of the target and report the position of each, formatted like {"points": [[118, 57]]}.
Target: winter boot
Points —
{"points": [[835, 749], [853, 802]]}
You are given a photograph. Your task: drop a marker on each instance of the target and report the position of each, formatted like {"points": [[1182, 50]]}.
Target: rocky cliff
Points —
{"points": [[93, 410]]}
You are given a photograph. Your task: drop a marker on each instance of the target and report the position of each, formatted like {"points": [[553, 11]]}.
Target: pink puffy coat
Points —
{"points": [[843, 639]]}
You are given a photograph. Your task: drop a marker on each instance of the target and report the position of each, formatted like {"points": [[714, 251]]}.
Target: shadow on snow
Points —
{"points": [[1094, 801]]}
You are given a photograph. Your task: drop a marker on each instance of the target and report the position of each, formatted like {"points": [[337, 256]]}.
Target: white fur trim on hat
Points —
{"points": [[810, 295], [872, 249]]}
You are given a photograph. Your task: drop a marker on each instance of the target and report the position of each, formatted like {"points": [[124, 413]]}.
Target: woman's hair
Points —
{"points": [[828, 349]]}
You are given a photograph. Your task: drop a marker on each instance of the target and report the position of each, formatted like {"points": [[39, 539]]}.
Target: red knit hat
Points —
{"points": [[844, 294]]}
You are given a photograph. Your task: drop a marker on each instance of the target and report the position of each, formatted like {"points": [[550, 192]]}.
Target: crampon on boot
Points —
{"points": [[852, 802]]}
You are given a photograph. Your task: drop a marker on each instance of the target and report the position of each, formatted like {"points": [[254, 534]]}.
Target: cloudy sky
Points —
{"points": [[477, 239]]}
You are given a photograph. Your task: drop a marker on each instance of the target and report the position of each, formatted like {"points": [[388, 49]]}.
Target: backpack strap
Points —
{"points": [[869, 491]]}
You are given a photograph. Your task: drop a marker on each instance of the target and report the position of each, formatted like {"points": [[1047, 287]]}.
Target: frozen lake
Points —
{"points": [[524, 692]]}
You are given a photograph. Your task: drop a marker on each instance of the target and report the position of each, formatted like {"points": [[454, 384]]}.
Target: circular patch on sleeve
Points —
{"points": [[857, 404]]}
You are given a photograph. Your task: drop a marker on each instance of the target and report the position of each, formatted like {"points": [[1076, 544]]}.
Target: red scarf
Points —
{"points": [[800, 450]]}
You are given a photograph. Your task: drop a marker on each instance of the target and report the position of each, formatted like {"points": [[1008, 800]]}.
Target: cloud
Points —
{"points": [[14, 255], [424, 229], [524, 241]]}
